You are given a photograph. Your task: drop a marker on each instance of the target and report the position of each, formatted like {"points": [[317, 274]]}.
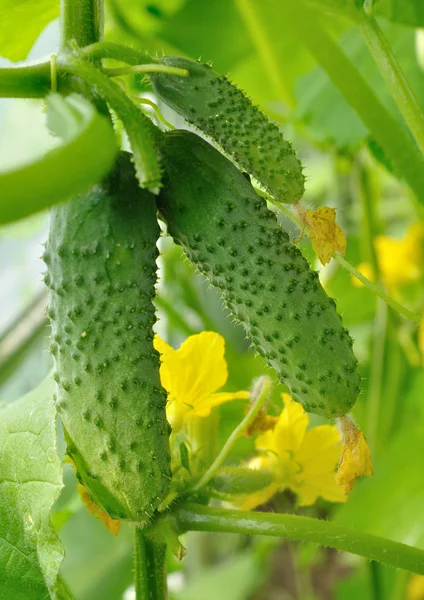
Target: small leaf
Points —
{"points": [[85, 156], [326, 236], [21, 22], [30, 482], [356, 456]]}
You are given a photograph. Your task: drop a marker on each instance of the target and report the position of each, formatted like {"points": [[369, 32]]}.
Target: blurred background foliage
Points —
{"points": [[345, 169]]}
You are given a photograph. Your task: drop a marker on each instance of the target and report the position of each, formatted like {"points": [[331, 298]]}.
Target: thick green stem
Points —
{"points": [[149, 568], [384, 128], [377, 370], [193, 517], [34, 79], [395, 78], [81, 22]]}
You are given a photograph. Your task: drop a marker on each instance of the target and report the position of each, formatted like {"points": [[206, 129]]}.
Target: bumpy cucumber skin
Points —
{"points": [[228, 232], [211, 103], [101, 276]]}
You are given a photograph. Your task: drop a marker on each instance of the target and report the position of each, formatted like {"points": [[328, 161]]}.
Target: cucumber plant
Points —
{"points": [[101, 258], [101, 274]]}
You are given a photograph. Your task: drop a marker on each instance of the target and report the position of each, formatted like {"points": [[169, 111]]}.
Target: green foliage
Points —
{"points": [[85, 155], [21, 21], [30, 482]]}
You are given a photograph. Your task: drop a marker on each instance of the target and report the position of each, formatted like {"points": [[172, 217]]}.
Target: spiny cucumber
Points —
{"points": [[211, 103], [101, 275], [228, 232]]}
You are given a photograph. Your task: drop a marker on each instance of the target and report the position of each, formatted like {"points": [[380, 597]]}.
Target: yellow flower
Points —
{"points": [[192, 374], [356, 455], [325, 235], [415, 588], [303, 461], [399, 260]]}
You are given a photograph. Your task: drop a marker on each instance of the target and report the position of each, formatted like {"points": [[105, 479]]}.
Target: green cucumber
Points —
{"points": [[230, 235], [101, 258], [219, 109]]}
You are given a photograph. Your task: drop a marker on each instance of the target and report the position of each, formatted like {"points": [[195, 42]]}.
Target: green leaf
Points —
{"points": [[30, 482], [21, 21], [394, 496], [85, 156]]}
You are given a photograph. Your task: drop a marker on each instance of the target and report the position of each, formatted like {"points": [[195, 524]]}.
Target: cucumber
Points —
{"points": [[219, 109], [230, 235], [101, 258]]}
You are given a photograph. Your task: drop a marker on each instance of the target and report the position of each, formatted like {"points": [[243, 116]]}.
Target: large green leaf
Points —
{"points": [[21, 21], [30, 482], [85, 156]]}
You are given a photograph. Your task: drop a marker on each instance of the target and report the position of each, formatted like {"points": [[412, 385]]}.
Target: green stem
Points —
{"points": [[258, 396], [146, 68], [193, 517], [262, 42], [387, 132], [81, 22], [376, 583], [393, 381], [149, 568], [34, 79], [395, 78], [377, 370], [113, 51]]}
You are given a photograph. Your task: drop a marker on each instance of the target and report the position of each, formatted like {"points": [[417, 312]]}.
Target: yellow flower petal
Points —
{"points": [[113, 525], [290, 430], [319, 486], [325, 235], [203, 408], [192, 374], [400, 260], [321, 450], [415, 588], [356, 455], [196, 369], [251, 501]]}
